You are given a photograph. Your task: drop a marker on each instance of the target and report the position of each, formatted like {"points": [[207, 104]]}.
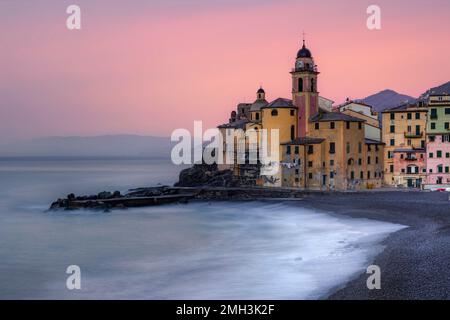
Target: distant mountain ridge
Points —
{"points": [[94, 146], [387, 99]]}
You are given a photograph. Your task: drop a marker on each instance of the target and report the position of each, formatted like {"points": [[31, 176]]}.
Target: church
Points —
{"points": [[320, 147]]}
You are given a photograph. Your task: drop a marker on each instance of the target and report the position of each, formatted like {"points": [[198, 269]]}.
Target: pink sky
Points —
{"points": [[144, 68]]}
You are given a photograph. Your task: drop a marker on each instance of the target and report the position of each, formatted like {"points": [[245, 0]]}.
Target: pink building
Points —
{"points": [[438, 160], [410, 167]]}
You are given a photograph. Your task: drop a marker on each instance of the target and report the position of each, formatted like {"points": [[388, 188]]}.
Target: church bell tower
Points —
{"points": [[304, 89]]}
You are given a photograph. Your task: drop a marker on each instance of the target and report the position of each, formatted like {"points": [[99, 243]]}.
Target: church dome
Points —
{"points": [[261, 90], [304, 52]]}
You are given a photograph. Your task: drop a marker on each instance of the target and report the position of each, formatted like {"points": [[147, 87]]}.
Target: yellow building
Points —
{"points": [[318, 149], [403, 132]]}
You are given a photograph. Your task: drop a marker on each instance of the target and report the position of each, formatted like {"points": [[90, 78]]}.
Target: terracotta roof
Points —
{"points": [[304, 140], [334, 116], [280, 103], [238, 124]]}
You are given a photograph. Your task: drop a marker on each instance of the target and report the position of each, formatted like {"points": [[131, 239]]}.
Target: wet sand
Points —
{"points": [[416, 261]]}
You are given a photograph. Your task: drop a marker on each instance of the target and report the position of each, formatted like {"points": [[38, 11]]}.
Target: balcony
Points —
{"points": [[410, 158], [412, 135]]}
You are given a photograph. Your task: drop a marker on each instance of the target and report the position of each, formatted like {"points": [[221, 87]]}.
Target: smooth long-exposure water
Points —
{"points": [[232, 250]]}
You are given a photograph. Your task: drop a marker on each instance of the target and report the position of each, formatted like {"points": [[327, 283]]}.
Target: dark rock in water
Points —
{"points": [[116, 194], [105, 195], [210, 176], [71, 196]]}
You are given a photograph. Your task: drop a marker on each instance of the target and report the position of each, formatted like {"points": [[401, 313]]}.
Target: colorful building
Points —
{"points": [[318, 148], [438, 144], [403, 133]]}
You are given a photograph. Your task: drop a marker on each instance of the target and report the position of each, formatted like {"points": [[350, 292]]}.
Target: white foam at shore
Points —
{"points": [[241, 251]]}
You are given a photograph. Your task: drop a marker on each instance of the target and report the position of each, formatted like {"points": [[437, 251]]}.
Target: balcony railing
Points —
{"points": [[413, 135]]}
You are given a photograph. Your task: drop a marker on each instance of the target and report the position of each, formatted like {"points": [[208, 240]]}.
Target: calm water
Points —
{"points": [[229, 250]]}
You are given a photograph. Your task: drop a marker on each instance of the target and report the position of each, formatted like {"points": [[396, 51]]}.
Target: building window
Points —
{"points": [[274, 112], [447, 110], [310, 164], [391, 168], [390, 155], [417, 115], [313, 85], [347, 123], [430, 155], [433, 114], [288, 150], [296, 150], [331, 162], [359, 147], [392, 129], [332, 147], [361, 175], [331, 125], [376, 160], [359, 162], [392, 142], [392, 116], [348, 147], [292, 112], [433, 125], [359, 125], [296, 180], [310, 149], [446, 169], [446, 138], [316, 126], [297, 172], [446, 126], [409, 116], [368, 160], [409, 128], [409, 142], [257, 116], [292, 132], [403, 170], [310, 176], [439, 154], [422, 144], [352, 175], [447, 155], [331, 174], [439, 167], [431, 138], [368, 175], [300, 84]]}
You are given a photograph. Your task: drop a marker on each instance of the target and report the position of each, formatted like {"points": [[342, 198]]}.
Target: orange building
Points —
{"points": [[318, 149]]}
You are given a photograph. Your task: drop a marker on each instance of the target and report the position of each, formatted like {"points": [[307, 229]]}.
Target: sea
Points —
{"points": [[199, 250]]}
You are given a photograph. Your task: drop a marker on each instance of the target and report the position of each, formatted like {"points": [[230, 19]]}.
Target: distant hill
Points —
{"points": [[387, 99], [95, 146], [442, 89]]}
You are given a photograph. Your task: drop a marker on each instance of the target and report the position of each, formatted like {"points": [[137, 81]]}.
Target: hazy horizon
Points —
{"points": [[148, 68]]}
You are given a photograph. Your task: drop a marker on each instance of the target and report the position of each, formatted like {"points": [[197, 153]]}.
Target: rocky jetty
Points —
{"points": [[210, 176], [133, 198]]}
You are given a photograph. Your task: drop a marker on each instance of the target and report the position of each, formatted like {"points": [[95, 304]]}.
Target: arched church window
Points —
{"points": [[313, 85], [274, 112], [300, 84]]}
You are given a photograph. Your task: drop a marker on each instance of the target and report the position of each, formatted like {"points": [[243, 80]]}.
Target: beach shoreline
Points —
{"points": [[414, 262]]}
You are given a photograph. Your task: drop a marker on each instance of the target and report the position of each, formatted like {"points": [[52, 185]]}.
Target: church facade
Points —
{"points": [[320, 148]]}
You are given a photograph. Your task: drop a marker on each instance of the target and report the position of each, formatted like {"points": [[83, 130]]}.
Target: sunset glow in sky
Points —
{"points": [[149, 67]]}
